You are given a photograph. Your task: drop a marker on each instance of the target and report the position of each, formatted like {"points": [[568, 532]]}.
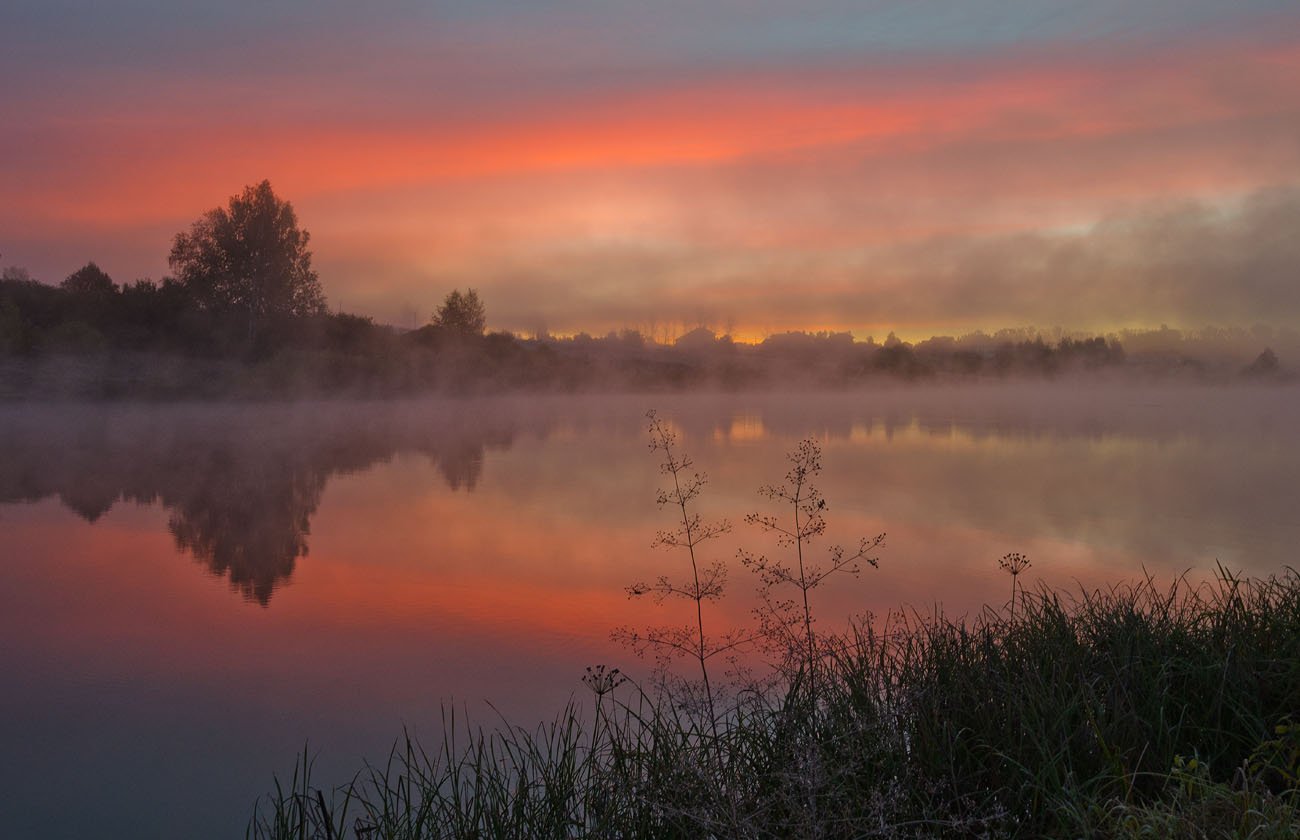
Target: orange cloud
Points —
{"points": [[170, 163], [703, 189]]}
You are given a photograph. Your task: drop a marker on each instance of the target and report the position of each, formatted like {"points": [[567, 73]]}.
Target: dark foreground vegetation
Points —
{"points": [[244, 316], [1140, 711], [1143, 710]]}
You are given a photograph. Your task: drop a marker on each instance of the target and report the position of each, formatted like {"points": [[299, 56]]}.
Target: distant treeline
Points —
{"points": [[90, 337], [245, 316]]}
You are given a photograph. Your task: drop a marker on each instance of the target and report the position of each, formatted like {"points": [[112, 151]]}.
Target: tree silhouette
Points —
{"points": [[90, 309], [462, 313], [89, 281], [1265, 364], [250, 259]]}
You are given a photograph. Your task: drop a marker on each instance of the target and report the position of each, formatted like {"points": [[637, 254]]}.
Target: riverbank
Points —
{"points": [[1148, 709]]}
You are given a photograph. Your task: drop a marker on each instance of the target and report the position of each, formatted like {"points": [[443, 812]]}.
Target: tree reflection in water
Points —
{"points": [[241, 487], [249, 518], [1157, 472]]}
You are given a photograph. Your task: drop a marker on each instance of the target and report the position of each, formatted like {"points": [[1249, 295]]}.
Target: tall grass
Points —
{"points": [[1146, 709]]}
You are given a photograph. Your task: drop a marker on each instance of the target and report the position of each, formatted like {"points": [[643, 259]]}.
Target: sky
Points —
{"points": [[753, 166]]}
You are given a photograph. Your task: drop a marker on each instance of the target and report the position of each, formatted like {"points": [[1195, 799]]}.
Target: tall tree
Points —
{"points": [[462, 313], [89, 281], [250, 259], [92, 296]]}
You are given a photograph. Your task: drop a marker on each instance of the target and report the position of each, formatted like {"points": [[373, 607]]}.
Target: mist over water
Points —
{"points": [[193, 591]]}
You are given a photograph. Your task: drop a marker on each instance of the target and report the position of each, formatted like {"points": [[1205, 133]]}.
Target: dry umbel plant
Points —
{"points": [[705, 583], [788, 622]]}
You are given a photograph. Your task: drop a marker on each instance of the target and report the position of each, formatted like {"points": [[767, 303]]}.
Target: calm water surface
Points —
{"points": [[192, 592]]}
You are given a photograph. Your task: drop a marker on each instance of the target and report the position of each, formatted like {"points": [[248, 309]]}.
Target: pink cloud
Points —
{"points": [[717, 185]]}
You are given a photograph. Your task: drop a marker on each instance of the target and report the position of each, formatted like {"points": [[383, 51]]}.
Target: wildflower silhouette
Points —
{"points": [[1014, 563], [785, 622], [602, 681], [706, 582]]}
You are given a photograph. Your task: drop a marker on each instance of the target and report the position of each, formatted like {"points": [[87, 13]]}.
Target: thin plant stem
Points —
{"points": [[697, 592]]}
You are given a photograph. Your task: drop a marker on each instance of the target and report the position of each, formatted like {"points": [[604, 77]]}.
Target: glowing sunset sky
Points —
{"points": [[754, 165]]}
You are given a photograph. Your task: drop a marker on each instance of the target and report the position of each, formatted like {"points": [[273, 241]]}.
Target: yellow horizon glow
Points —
{"points": [[667, 335]]}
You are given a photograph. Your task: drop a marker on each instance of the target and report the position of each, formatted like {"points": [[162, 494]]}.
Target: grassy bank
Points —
{"points": [[1149, 709]]}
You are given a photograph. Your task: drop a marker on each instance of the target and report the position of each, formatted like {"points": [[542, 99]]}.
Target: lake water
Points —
{"points": [[193, 592]]}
